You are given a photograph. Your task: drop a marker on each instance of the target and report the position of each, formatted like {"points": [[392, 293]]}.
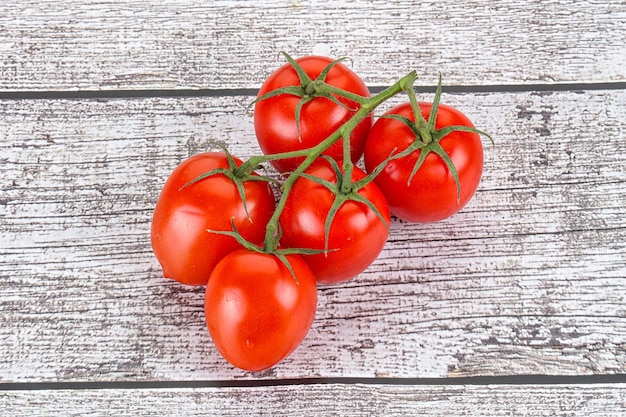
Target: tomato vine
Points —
{"points": [[216, 214], [427, 141]]}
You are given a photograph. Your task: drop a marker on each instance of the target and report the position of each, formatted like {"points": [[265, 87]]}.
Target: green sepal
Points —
{"points": [[438, 149], [339, 200], [237, 236], [342, 197], [445, 131], [281, 254], [310, 89], [328, 184], [298, 112], [302, 75], [326, 70], [376, 171], [335, 167], [289, 90], [427, 137], [359, 198], [408, 122], [283, 258], [432, 117], [200, 177], [418, 164], [232, 173], [336, 101]]}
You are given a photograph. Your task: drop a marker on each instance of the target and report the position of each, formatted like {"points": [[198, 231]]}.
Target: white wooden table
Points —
{"points": [[515, 306]]}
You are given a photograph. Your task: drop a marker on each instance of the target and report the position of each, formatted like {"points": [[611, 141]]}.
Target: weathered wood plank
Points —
{"points": [[327, 400], [233, 44], [529, 278]]}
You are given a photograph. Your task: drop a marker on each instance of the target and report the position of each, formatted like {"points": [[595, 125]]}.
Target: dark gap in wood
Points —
{"points": [[516, 88], [459, 381], [233, 92]]}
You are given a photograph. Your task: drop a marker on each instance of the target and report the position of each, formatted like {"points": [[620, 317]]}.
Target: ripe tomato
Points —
{"points": [[275, 117], [357, 234], [185, 249], [256, 311], [432, 193]]}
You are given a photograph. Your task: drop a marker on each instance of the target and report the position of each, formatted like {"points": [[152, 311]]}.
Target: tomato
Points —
{"points": [[275, 117], [258, 313], [357, 235], [185, 249], [432, 193]]}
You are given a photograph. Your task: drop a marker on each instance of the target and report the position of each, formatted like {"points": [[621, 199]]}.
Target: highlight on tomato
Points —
{"points": [[188, 206], [259, 308], [301, 104]]}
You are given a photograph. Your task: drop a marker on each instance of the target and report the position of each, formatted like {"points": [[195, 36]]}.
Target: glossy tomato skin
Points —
{"points": [[256, 312], [185, 249], [357, 235], [274, 118], [432, 193]]}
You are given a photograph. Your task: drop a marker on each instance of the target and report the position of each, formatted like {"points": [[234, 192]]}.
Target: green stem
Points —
{"points": [[346, 184], [254, 161], [367, 106], [327, 88], [421, 123]]}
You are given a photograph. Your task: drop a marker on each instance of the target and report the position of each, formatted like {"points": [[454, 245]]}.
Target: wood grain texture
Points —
{"points": [[86, 45], [327, 400], [529, 278]]}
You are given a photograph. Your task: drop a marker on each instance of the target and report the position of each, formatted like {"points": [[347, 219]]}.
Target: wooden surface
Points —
{"points": [[515, 306]]}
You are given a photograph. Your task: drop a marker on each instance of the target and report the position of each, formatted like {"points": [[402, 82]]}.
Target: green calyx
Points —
{"points": [[428, 137], [235, 174], [280, 253], [310, 89], [344, 190]]}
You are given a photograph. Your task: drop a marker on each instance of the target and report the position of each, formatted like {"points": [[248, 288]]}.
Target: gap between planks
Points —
{"points": [[231, 92], [515, 380]]}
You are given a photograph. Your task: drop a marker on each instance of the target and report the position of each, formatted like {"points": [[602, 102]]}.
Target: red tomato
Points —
{"points": [[357, 234], [180, 240], [432, 193], [275, 122], [256, 311]]}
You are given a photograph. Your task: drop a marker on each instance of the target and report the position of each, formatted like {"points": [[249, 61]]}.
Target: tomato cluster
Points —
{"points": [[218, 223]]}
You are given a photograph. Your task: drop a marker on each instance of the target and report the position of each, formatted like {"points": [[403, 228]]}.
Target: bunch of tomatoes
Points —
{"points": [[261, 246]]}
